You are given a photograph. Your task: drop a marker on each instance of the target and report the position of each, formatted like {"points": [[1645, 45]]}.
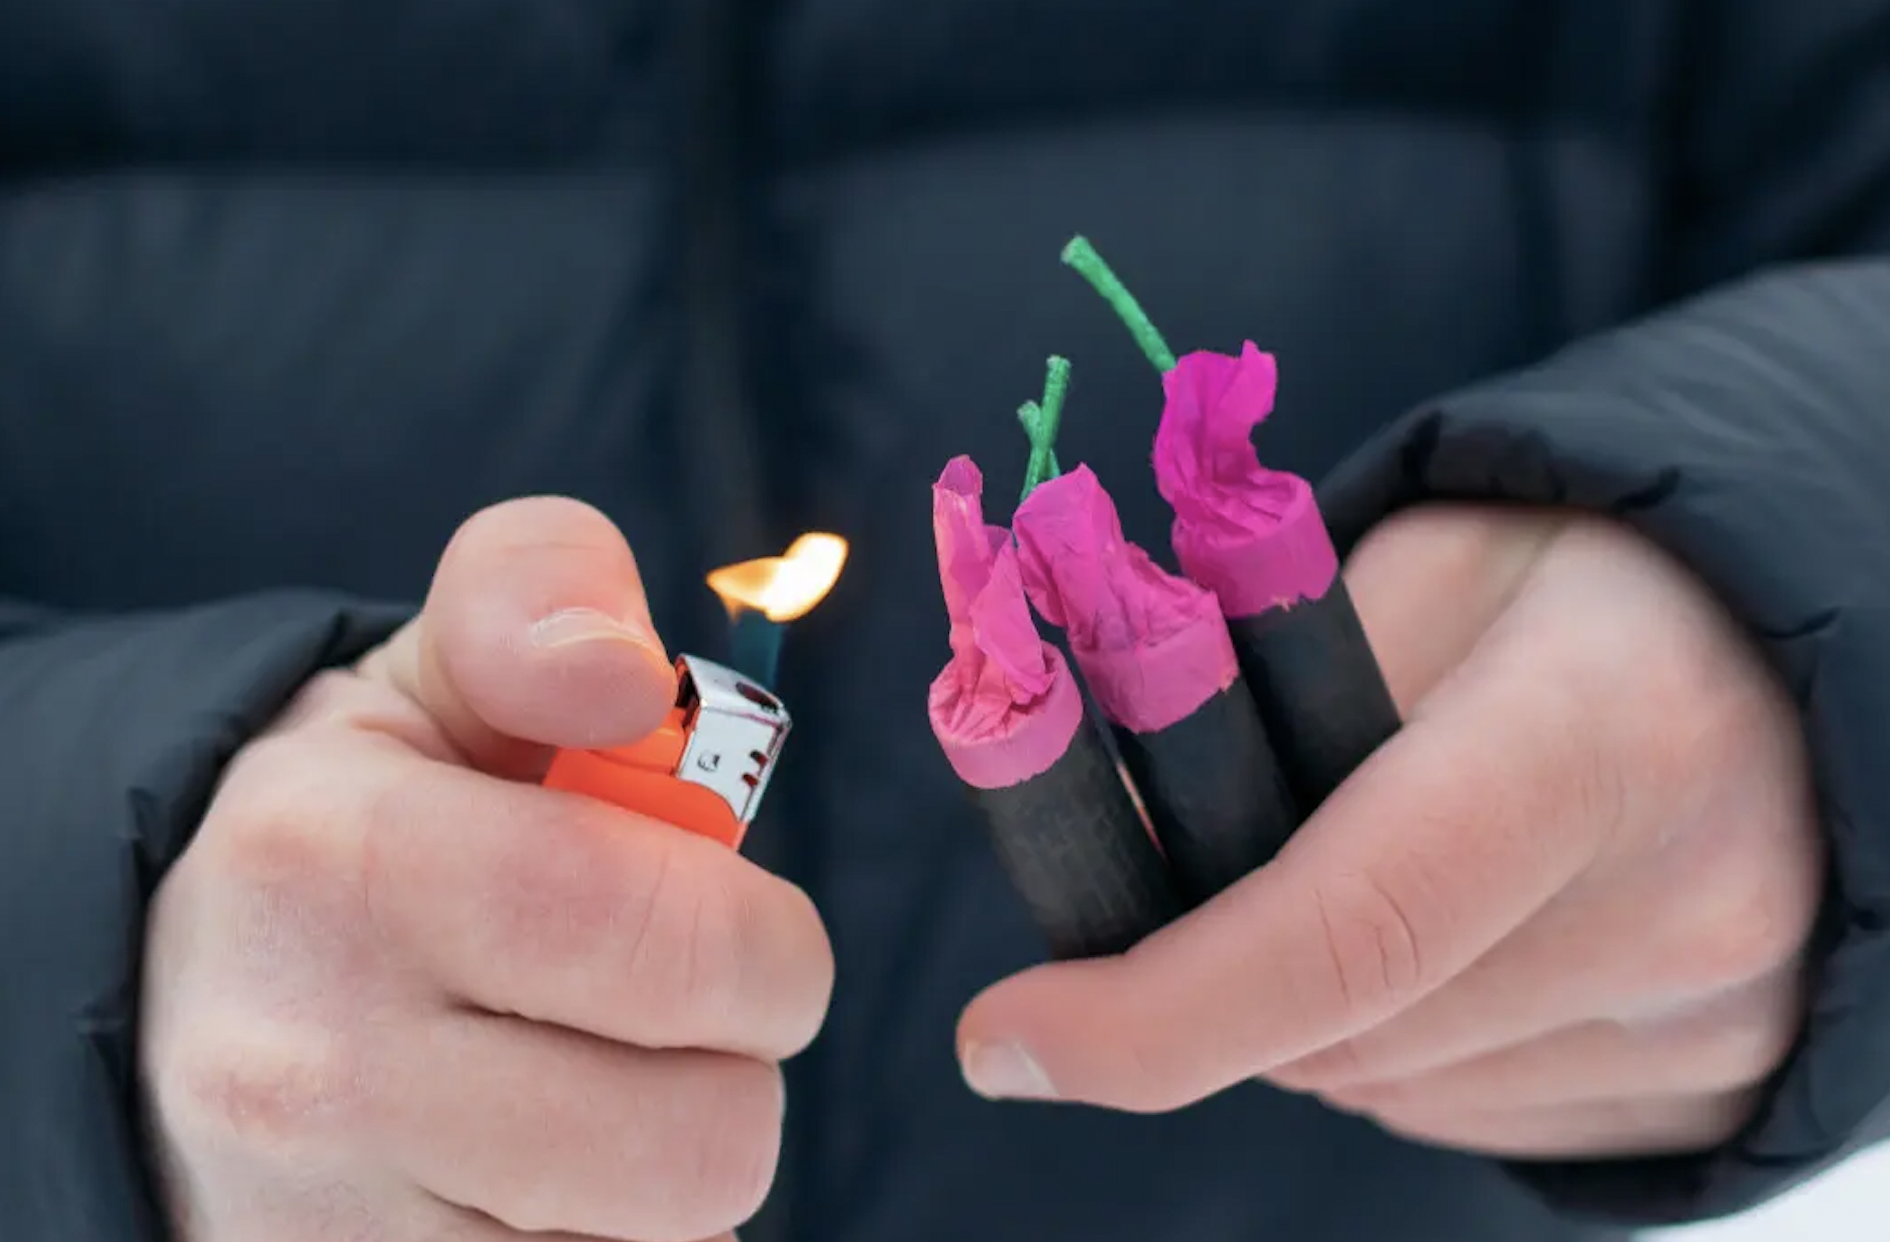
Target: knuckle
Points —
{"points": [[621, 913], [726, 954], [270, 823], [690, 944], [731, 1166], [670, 938], [1371, 943], [286, 1096], [1746, 926], [329, 695], [251, 799], [556, 896]]}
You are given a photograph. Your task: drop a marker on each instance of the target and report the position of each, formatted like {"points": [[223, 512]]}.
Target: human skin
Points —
{"points": [[1563, 913], [395, 990]]}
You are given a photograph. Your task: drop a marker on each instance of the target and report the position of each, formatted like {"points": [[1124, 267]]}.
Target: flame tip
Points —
{"points": [[786, 587]]}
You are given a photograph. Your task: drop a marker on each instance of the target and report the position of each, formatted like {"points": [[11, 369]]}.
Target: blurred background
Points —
{"points": [[1850, 1205]]}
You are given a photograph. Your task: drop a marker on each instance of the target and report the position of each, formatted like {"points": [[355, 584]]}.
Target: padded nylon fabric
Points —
{"points": [[287, 292]]}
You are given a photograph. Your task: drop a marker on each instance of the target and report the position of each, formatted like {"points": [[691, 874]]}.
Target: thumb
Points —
{"points": [[535, 635]]}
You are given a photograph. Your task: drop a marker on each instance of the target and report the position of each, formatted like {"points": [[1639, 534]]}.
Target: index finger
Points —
{"points": [[1449, 838], [565, 910]]}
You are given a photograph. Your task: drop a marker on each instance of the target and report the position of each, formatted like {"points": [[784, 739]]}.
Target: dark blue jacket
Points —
{"points": [[288, 290]]}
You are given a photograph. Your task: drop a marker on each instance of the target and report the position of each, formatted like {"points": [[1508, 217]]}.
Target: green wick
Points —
{"points": [[1082, 256], [1041, 420], [1030, 414]]}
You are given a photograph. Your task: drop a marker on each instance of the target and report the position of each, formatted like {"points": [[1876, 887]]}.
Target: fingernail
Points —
{"points": [[572, 626], [1005, 1072]]}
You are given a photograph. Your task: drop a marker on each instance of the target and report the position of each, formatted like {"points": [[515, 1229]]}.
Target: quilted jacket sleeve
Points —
{"points": [[112, 734]]}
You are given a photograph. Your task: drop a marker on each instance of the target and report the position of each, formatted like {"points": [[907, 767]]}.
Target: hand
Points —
{"points": [[1562, 914], [395, 991]]}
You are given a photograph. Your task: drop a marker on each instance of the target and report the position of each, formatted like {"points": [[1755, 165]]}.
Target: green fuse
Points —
{"points": [[1040, 420]]}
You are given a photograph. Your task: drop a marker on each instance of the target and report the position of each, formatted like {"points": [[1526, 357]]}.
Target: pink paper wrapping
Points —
{"points": [[1006, 705], [1251, 535]]}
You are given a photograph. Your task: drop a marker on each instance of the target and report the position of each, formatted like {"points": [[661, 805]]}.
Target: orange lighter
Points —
{"points": [[704, 769]]}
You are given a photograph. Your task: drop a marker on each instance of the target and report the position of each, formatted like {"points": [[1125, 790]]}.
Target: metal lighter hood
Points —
{"points": [[734, 731]]}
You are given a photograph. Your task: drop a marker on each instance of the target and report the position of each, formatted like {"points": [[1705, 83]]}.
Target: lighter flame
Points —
{"points": [[785, 587]]}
